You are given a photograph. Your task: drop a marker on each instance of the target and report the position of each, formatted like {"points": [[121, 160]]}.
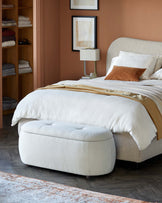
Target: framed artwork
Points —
{"points": [[84, 32], [84, 4]]}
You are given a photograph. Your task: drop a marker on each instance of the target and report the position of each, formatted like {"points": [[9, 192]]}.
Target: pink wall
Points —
{"points": [[50, 41]]}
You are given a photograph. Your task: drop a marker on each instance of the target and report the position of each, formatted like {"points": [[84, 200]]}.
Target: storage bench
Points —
{"points": [[68, 147]]}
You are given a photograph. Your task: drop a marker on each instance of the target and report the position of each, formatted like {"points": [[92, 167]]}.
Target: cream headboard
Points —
{"points": [[132, 45]]}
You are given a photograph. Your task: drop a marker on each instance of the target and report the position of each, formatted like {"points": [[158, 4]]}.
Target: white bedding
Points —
{"points": [[116, 113]]}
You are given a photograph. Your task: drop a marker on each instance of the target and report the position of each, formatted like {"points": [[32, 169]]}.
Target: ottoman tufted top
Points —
{"points": [[66, 130]]}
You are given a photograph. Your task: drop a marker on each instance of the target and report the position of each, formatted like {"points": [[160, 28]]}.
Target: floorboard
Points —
{"points": [[144, 182]]}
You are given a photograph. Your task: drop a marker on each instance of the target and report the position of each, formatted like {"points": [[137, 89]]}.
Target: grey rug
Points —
{"points": [[19, 189]]}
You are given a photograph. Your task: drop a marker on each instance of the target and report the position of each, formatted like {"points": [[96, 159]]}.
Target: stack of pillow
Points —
{"points": [[130, 66]]}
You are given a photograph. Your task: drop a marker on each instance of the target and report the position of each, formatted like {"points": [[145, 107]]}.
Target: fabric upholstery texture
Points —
{"points": [[136, 46], [113, 63], [69, 148], [126, 148], [125, 73], [157, 75], [158, 64], [137, 60]]}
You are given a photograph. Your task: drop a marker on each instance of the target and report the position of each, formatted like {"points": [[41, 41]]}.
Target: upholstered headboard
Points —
{"points": [[132, 45]]}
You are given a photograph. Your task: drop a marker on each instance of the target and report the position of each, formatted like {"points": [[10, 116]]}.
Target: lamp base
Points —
{"points": [[91, 76], [86, 77]]}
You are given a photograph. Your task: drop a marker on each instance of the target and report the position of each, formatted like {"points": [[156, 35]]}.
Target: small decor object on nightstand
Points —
{"points": [[90, 55], [84, 33], [84, 4]]}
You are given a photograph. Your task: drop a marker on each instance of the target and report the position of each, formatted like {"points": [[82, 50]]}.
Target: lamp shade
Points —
{"points": [[89, 54]]}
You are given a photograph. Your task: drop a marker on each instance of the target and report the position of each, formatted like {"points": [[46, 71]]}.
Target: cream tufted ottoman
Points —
{"points": [[74, 148]]}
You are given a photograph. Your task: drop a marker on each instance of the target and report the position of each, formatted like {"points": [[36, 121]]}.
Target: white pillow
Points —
{"points": [[157, 75], [138, 61], [134, 60], [158, 63], [114, 62]]}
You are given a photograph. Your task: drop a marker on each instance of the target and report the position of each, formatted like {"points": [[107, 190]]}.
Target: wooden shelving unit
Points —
{"points": [[19, 85], [25, 8]]}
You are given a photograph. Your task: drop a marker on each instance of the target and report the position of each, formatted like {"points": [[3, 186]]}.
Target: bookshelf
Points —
{"points": [[18, 85]]}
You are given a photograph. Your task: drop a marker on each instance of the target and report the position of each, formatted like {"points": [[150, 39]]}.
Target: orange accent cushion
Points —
{"points": [[125, 73]]}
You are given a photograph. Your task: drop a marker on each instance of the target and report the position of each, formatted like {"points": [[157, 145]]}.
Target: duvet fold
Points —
{"points": [[147, 102]]}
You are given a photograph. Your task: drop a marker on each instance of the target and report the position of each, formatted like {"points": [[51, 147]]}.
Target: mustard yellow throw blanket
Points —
{"points": [[148, 103]]}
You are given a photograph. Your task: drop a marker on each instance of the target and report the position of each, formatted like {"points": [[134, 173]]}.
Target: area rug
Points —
{"points": [[18, 189]]}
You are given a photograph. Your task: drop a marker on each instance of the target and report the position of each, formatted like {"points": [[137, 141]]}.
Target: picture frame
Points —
{"points": [[84, 4], [84, 32]]}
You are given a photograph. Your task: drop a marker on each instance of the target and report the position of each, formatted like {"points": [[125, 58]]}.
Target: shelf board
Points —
{"points": [[8, 76], [20, 74], [25, 27], [8, 47], [24, 7], [10, 26], [25, 45], [4, 9]]}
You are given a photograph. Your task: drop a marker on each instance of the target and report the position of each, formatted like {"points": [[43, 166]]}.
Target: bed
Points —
{"points": [[135, 143]]}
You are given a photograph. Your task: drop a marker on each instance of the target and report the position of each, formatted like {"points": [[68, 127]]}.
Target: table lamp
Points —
{"points": [[90, 55]]}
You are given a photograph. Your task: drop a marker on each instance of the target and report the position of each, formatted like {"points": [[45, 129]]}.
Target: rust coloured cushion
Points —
{"points": [[125, 73]]}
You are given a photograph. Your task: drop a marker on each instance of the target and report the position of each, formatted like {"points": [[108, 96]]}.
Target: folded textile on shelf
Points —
{"points": [[24, 67], [8, 43], [8, 38], [6, 66], [9, 103], [25, 70], [8, 72], [8, 22], [23, 18], [7, 6], [24, 64], [8, 69], [7, 32], [8, 35], [24, 21], [30, 25]]}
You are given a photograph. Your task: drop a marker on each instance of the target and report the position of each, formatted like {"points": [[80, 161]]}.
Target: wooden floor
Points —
{"points": [[144, 183]]}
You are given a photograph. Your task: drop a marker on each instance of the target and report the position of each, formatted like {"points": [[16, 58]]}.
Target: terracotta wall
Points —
{"points": [[131, 18], [50, 41]]}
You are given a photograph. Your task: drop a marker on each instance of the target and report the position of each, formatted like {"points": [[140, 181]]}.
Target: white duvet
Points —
{"points": [[116, 113]]}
